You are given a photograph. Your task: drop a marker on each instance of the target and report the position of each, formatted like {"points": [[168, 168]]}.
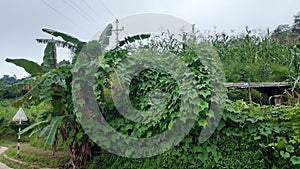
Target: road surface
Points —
{"points": [[3, 166]]}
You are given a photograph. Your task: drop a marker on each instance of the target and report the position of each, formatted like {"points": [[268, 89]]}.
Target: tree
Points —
{"points": [[11, 87], [287, 34], [285, 28], [296, 25], [9, 79], [54, 81]]}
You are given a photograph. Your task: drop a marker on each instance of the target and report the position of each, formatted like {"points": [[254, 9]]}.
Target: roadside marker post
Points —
{"points": [[19, 116]]}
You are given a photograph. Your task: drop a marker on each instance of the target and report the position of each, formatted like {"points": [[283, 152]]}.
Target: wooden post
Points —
{"points": [[19, 137], [249, 95]]}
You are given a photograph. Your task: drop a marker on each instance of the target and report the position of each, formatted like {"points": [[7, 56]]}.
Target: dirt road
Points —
{"points": [[3, 166]]}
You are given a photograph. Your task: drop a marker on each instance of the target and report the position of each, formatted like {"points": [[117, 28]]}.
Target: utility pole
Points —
{"points": [[117, 30], [193, 29]]}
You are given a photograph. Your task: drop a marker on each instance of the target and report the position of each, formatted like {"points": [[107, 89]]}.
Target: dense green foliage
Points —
{"points": [[249, 136], [178, 99], [253, 58], [11, 87], [8, 127], [243, 94], [257, 56]]}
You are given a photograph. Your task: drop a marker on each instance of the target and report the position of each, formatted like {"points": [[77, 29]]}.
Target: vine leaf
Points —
{"points": [[284, 154], [290, 148], [295, 160]]}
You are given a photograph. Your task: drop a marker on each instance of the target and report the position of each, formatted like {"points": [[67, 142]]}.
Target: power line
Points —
{"points": [[107, 9], [67, 18], [77, 9], [90, 7], [87, 4], [83, 11]]}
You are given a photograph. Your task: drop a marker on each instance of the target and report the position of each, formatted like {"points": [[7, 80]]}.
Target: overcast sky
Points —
{"points": [[22, 20]]}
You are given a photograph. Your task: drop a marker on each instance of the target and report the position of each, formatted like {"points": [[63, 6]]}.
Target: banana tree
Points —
{"points": [[50, 80], [53, 81]]}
